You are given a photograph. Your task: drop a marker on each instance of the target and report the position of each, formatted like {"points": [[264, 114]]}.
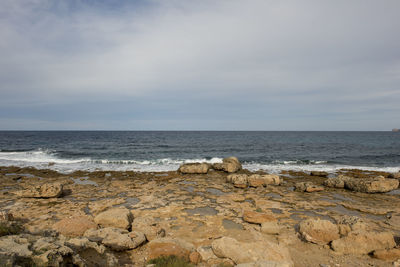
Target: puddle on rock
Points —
{"points": [[188, 182], [229, 225], [215, 191], [341, 197], [190, 189], [394, 192], [27, 175], [202, 211]]}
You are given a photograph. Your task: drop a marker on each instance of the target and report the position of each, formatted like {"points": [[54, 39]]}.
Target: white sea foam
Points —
{"points": [[49, 159]]}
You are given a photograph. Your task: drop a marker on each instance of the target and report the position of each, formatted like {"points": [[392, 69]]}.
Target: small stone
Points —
{"points": [[195, 257], [194, 168], [257, 217], [317, 231]]}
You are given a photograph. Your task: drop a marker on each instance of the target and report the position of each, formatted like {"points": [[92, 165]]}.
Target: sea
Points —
{"points": [[154, 151]]}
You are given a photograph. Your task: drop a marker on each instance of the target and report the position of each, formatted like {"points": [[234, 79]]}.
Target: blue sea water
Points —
{"points": [[166, 150]]}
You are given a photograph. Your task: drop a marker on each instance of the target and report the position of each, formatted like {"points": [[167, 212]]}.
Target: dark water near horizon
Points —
{"points": [[161, 151]]}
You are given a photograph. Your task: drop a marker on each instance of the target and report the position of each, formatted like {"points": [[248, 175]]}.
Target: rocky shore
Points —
{"points": [[217, 215]]}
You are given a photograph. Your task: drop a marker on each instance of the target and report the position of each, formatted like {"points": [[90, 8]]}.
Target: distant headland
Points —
{"points": [[395, 130]]}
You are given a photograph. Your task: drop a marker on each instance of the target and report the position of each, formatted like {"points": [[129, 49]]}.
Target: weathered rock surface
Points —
{"points": [[169, 247], [149, 227], [317, 231], [240, 252], [347, 224], [387, 254], [319, 173], [74, 226], [194, 168], [115, 217], [257, 217], [257, 180], [395, 175], [271, 228], [366, 185], [238, 180], [115, 238], [42, 191], [308, 187], [264, 264], [230, 165], [363, 242]]}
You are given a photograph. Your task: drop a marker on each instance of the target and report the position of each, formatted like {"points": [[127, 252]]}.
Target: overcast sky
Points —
{"points": [[199, 65]]}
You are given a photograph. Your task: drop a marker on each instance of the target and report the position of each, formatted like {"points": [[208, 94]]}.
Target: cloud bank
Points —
{"points": [[200, 65]]}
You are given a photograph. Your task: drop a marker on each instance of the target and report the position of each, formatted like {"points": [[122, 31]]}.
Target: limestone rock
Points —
{"points": [[375, 185], [238, 180], [395, 175], [317, 231], [257, 180], [240, 252], [271, 228], [195, 257], [348, 223], [6, 216], [194, 168], [366, 185], [230, 165], [257, 217], [115, 217], [74, 226], [50, 252], [308, 187], [149, 227], [15, 245], [42, 191], [265, 264], [319, 173], [387, 254], [363, 242], [82, 243], [115, 238], [206, 253], [168, 247]]}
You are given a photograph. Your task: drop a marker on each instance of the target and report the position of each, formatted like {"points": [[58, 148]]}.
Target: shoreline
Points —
{"points": [[202, 210]]}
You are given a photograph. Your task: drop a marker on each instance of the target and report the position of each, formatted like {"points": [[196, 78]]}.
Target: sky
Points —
{"points": [[199, 65]]}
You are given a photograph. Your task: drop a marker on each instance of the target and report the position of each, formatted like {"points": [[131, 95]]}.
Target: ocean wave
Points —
{"points": [[46, 158]]}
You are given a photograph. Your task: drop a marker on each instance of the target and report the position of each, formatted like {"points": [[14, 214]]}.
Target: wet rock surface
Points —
{"points": [[205, 218]]}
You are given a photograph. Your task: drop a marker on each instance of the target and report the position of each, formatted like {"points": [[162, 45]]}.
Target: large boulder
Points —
{"points": [[238, 180], [194, 168], [257, 217], [256, 180], [115, 217], [317, 231], [42, 191], [372, 185], [240, 252], [363, 242], [230, 165], [74, 226], [366, 185], [115, 238]]}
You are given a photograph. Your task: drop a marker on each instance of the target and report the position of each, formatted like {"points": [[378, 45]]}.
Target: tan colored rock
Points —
{"points": [[255, 181], [149, 227], [337, 182], [238, 180], [308, 187], [206, 253], [395, 175], [257, 217], [6, 216], [387, 254], [240, 252], [169, 247], [195, 257], [115, 217], [265, 264], [74, 226], [42, 191], [375, 185], [347, 224], [317, 231], [319, 173], [271, 228], [194, 168], [230, 165], [115, 238], [363, 242]]}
